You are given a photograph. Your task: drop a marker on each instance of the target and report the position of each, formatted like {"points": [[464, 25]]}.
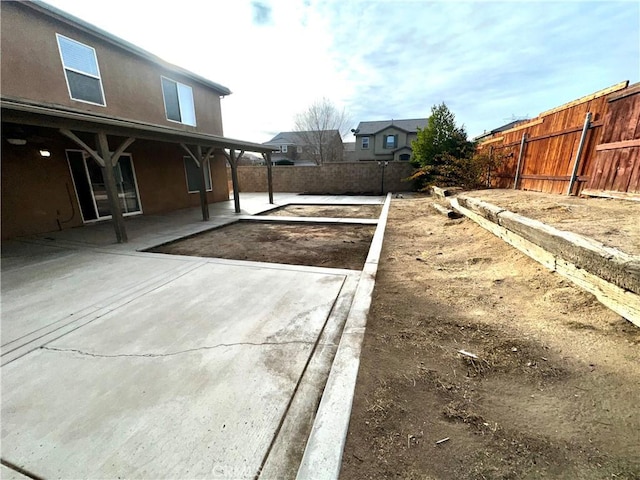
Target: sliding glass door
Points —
{"points": [[91, 190]]}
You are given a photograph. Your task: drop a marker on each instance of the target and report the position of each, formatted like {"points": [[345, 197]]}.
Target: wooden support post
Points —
{"points": [[204, 204], [112, 189], [84, 146], [269, 177], [234, 179], [576, 164], [520, 157]]}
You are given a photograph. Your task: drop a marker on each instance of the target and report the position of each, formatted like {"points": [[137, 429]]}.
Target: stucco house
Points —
{"points": [[304, 147], [95, 128], [386, 140]]}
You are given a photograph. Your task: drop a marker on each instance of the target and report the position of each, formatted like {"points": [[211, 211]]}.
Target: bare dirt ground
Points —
{"points": [[335, 246], [554, 391], [330, 211], [613, 222]]}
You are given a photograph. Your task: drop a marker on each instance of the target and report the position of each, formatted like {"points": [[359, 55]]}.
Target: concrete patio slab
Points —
{"points": [[185, 381], [122, 363]]}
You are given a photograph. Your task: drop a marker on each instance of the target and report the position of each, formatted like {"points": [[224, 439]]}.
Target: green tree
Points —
{"points": [[442, 154]]}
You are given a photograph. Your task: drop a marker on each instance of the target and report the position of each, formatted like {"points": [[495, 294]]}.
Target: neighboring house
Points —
{"points": [[386, 140], [303, 148], [94, 127]]}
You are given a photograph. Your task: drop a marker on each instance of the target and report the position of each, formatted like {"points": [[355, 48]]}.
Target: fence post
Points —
{"points": [[520, 157], [576, 164]]}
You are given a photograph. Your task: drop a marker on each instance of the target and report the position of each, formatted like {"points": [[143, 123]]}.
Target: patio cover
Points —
{"points": [[199, 146]]}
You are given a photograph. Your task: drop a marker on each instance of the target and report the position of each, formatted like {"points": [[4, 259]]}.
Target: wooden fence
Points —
{"points": [[589, 146]]}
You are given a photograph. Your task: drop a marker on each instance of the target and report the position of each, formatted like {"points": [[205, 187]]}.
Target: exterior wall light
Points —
{"points": [[45, 153]]}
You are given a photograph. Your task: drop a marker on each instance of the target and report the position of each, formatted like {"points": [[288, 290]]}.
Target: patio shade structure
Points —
{"points": [[198, 146]]}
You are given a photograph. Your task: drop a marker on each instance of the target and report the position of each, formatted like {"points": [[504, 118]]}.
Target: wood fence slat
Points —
{"points": [[634, 180], [617, 145]]}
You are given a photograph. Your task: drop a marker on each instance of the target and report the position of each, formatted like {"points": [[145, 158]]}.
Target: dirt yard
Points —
{"points": [[613, 222], [330, 211], [320, 245], [553, 392]]}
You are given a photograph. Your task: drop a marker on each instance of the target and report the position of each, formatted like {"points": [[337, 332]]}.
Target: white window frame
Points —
{"points": [[283, 148], [193, 102], [98, 218], [75, 70], [186, 159], [365, 147]]}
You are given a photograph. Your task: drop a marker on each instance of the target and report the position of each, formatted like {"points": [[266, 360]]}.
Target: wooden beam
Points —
{"points": [[191, 154], [120, 150], [207, 155], [586, 98], [267, 158], [204, 204], [84, 146], [611, 194], [226, 155], [576, 164], [447, 212], [553, 178], [520, 166], [616, 145], [234, 179], [112, 190], [566, 131]]}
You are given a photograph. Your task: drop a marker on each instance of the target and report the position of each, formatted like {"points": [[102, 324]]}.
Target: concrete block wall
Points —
{"points": [[335, 178]]}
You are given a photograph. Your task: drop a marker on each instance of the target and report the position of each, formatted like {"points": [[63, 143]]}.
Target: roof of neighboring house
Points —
{"points": [[65, 17], [408, 125], [293, 138], [504, 127]]}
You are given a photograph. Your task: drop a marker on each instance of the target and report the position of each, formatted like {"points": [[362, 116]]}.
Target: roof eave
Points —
{"points": [[16, 110]]}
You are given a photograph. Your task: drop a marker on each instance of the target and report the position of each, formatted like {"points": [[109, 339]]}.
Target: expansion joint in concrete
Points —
{"points": [[179, 352]]}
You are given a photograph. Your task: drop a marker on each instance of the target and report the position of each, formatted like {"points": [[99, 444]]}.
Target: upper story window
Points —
{"points": [[178, 102], [81, 70], [365, 143], [283, 148], [390, 141]]}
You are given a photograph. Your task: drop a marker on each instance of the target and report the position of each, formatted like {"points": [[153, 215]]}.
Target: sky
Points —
{"points": [[489, 61]]}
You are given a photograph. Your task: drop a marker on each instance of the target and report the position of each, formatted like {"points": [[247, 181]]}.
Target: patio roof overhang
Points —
{"points": [[31, 113], [199, 146]]}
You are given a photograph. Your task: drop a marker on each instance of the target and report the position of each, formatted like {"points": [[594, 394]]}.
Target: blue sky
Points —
{"points": [[487, 60]]}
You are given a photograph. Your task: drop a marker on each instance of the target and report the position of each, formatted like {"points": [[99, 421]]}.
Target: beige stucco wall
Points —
{"points": [[32, 70], [335, 178]]}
